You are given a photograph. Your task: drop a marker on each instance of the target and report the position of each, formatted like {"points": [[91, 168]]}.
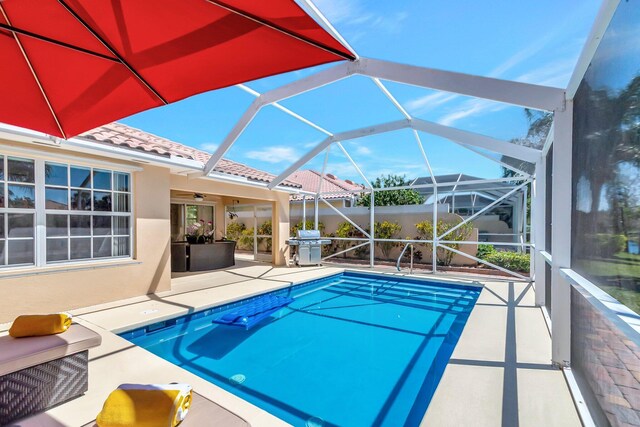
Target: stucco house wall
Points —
{"points": [[68, 286], [61, 287]]}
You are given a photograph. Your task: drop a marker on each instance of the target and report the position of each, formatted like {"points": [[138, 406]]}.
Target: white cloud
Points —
{"points": [[275, 154], [555, 73], [343, 170], [362, 150], [209, 147], [338, 11], [428, 102], [472, 107], [354, 16], [310, 144]]}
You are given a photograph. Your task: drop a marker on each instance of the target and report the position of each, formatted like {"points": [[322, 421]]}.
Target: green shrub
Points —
{"points": [[604, 245], [425, 231], [348, 230], [484, 250], [387, 230], [515, 261], [310, 225], [266, 229], [245, 240], [234, 230]]}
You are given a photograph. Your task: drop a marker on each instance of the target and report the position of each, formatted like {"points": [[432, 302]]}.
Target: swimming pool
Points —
{"points": [[352, 349]]}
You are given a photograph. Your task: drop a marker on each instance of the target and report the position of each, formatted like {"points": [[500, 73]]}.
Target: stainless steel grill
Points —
{"points": [[308, 244]]}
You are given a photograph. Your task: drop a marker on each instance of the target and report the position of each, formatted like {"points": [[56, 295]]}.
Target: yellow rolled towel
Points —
{"points": [[141, 405], [40, 324]]}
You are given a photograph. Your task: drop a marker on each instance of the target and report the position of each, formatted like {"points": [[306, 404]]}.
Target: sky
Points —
{"points": [[534, 42]]}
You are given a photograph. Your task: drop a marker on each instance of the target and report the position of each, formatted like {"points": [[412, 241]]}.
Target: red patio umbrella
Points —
{"points": [[67, 66]]}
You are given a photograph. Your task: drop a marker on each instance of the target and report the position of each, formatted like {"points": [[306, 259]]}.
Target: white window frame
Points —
{"points": [[183, 203], [89, 213], [40, 212], [6, 210]]}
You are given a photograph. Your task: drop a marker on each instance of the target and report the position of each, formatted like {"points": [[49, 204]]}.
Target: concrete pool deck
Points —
{"points": [[499, 374]]}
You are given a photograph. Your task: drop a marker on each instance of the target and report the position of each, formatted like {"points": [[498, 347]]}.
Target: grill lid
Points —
{"points": [[308, 234]]}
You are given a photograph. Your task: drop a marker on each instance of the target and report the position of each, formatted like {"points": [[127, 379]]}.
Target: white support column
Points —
{"points": [[372, 230], [315, 212], [538, 223], [561, 242], [524, 221], [304, 211], [434, 249]]}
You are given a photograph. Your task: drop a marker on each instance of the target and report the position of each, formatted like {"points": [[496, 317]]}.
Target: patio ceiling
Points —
{"points": [[72, 65]]}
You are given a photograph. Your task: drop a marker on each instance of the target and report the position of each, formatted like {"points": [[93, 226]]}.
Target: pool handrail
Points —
{"points": [[402, 254]]}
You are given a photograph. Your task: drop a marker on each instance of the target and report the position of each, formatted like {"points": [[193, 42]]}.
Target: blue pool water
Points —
{"points": [[351, 350]]}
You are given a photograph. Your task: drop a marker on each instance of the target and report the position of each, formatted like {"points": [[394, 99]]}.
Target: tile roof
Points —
{"points": [[310, 179], [127, 137]]}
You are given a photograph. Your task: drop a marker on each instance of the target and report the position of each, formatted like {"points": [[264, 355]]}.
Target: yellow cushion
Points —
{"points": [[40, 324], [145, 406]]}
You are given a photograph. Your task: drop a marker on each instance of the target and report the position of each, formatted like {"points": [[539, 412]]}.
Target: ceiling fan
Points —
{"points": [[197, 197]]}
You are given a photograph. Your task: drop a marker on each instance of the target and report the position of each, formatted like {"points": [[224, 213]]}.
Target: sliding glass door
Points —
{"points": [[250, 226], [184, 215]]}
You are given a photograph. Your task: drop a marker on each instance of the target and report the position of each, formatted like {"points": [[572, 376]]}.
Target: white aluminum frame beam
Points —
{"points": [[319, 17], [510, 92], [286, 110], [603, 18], [501, 163], [516, 93], [497, 267], [343, 136], [322, 78], [483, 210], [561, 231], [424, 156], [477, 140], [353, 163], [368, 235], [391, 98], [456, 135]]}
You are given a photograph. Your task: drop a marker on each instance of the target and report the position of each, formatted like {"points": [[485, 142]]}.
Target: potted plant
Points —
{"points": [[209, 232], [193, 232]]}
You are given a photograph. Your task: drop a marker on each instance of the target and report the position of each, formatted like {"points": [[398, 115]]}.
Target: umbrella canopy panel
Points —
{"points": [[71, 65]]}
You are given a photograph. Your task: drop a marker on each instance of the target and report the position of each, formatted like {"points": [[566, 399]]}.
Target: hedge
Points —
{"points": [[515, 261]]}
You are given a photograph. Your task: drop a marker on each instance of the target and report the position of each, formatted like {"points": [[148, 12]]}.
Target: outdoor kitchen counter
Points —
{"points": [[202, 256]]}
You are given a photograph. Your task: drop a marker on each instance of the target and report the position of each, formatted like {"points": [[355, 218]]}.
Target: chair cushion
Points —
{"points": [[21, 353], [204, 412]]}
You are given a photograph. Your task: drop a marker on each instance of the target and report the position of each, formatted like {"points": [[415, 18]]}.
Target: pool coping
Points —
{"points": [[455, 396]]}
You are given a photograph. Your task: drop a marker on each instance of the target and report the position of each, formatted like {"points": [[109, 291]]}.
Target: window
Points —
{"points": [[17, 211], [183, 215], [86, 212]]}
